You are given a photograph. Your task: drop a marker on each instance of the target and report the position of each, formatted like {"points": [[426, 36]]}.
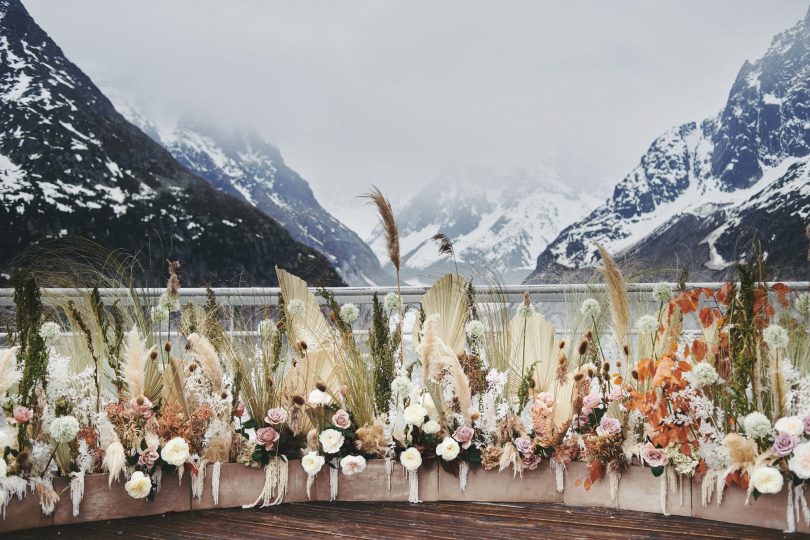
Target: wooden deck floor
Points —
{"points": [[402, 520]]}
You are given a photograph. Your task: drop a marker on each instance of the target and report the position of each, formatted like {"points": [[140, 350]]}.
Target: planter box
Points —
{"points": [[767, 511], [640, 491], [372, 484], [575, 493], [240, 485], [493, 486], [26, 514]]}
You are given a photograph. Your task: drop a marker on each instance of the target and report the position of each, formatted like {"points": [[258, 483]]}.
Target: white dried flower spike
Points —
{"points": [[475, 330], [525, 310], [295, 307], [803, 303], [703, 374], [267, 328], [49, 331], [158, 314], [349, 313], [662, 292], [776, 337], [169, 301], [392, 302], [647, 324], [64, 429], [401, 387], [590, 308]]}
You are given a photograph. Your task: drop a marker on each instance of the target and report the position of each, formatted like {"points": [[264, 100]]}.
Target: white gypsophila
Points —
{"points": [[266, 328], [448, 449], [49, 331], [169, 302], [475, 330], [647, 324], [802, 303], [714, 454], [392, 302], [349, 312], [312, 462], [217, 431], [64, 429], [75, 388], [40, 456], [757, 425], [295, 307], [775, 336], [496, 380], [682, 463], [411, 459], [703, 374], [525, 310], [414, 414], [158, 314], [767, 480], [86, 458], [139, 485], [590, 308], [401, 387], [792, 425], [331, 440], [175, 452], [431, 427], [662, 292]]}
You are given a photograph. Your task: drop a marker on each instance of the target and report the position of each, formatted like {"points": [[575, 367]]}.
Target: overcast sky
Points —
{"points": [[397, 93]]}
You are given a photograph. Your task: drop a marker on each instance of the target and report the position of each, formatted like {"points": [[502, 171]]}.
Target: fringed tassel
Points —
{"points": [[47, 496], [463, 469], [389, 469], [310, 481], [180, 470], [157, 476], [802, 511], [215, 473], [276, 476], [76, 490], [615, 476], [559, 474], [9, 487], [198, 481], [333, 480], [667, 483], [413, 487], [791, 512]]}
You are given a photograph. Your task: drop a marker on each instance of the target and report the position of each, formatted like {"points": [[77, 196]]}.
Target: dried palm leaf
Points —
{"points": [[174, 382], [447, 298], [617, 295], [534, 343]]}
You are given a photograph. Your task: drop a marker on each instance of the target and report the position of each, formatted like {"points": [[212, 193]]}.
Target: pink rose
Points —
{"points": [[23, 414], [148, 457], [655, 457], [341, 419], [783, 444], [276, 416], [142, 406], [524, 445], [543, 403], [464, 436], [531, 461], [240, 409], [609, 426], [267, 436], [616, 394]]}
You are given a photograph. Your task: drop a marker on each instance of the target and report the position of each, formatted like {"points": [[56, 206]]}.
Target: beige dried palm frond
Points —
{"points": [[174, 382], [563, 400], [9, 375], [447, 298], [135, 358], [388, 224], [617, 295], [209, 360], [534, 342]]}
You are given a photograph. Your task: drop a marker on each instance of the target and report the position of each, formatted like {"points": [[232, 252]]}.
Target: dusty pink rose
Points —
{"points": [[655, 457], [148, 457], [543, 404], [783, 444], [23, 414], [341, 419], [616, 394], [609, 426], [531, 461], [240, 409], [524, 445], [464, 435], [276, 416], [267, 436], [591, 402], [142, 406]]}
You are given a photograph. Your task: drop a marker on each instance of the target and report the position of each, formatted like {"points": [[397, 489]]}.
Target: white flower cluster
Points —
{"points": [[682, 463], [757, 425], [803, 303], [401, 387], [775, 336], [266, 328], [64, 428], [158, 314], [295, 307], [76, 388], [411, 459], [49, 331], [647, 324], [590, 308], [525, 310], [349, 312], [703, 374], [662, 292], [392, 302], [475, 331], [169, 302]]}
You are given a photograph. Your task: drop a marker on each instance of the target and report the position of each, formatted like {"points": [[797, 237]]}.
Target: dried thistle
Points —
{"points": [[445, 247]]}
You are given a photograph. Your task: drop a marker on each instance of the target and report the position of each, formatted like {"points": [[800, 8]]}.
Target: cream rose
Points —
{"points": [[792, 425], [175, 452], [414, 414], [448, 449], [317, 398], [331, 440], [411, 459], [139, 485], [431, 427], [800, 462], [353, 465], [767, 480], [312, 462]]}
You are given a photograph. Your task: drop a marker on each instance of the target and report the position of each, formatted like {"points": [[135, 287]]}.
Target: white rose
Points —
{"points": [[431, 427], [139, 485], [317, 398], [792, 425], [175, 452], [411, 459], [448, 449], [414, 414], [800, 462], [353, 465], [312, 462], [767, 480], [331, 440]]}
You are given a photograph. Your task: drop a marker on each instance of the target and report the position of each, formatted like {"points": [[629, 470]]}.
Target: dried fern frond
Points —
{"points": [[617, 295], [388, 224], [448, 298], [209, 360]]}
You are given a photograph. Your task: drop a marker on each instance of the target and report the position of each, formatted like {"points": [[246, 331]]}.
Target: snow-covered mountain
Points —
{"points": [[704, 190], [497, 221], [242, 164], [71, 165]]}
